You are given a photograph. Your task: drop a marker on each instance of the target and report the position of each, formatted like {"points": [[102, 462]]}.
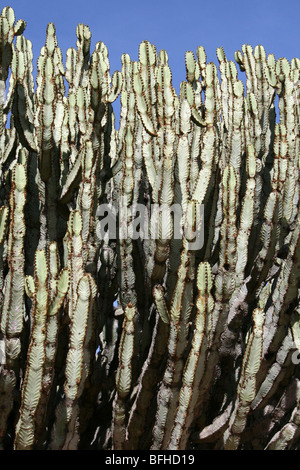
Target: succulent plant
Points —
{"points": [[120, 329]]}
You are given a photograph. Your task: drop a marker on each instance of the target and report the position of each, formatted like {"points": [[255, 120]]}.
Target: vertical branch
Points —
{"points": [[123, 378]]}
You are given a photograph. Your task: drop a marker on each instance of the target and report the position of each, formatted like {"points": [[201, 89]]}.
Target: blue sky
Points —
{"points": [[173, 25]]}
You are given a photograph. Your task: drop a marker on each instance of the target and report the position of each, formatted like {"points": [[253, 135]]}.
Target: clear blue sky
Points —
{"points": [[173, 25]]}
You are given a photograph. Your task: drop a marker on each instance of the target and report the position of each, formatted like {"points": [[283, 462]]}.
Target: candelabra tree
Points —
{"points": [[149, 274]]}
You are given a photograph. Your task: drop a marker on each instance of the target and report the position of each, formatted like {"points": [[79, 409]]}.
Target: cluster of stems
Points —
{"points": [[115, 341]]}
